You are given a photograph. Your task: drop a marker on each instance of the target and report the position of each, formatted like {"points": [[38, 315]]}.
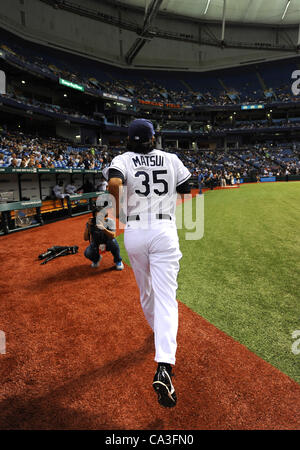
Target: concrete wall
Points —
{"points": [[42, 23], [9, 183], [30, 188]]}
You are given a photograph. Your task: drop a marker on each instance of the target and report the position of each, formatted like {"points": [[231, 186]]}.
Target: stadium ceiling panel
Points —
{"points": [[279, 12]]}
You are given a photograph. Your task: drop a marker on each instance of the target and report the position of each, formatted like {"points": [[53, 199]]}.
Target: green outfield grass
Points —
{"points": [[243, 276]]}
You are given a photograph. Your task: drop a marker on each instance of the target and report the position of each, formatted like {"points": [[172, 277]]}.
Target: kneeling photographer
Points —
{"points": [[100, 230]]}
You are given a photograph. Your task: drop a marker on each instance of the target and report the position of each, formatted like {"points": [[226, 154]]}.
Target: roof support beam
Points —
{"points": [[210, 33], [286, 8], [223, 21], [207, 6], [151, 11]]}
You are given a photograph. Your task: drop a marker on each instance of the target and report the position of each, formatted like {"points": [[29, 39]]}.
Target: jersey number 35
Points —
{"points": [[156, 181]]}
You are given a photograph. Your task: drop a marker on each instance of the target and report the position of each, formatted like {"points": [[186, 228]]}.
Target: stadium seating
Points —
{"points": [[20, 151], [266, 82]]}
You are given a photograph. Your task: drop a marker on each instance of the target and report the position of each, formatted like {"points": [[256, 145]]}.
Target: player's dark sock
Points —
{"points": [[167, 366]]}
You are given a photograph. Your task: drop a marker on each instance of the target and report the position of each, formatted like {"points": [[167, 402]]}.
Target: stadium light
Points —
{"points": [[286, 8], [207, 6], [23, 82]]}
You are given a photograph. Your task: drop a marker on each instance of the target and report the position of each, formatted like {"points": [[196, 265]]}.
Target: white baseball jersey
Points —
{"points": [[70, 189], [103, 185], [151, 180], [58, 191]]}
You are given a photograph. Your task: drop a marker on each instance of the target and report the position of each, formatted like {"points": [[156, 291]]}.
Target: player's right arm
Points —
{"points": [[115, 188], [117, 176]]}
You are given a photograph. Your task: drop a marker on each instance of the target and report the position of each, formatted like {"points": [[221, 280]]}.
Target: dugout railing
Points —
{"points": [[79, 204], [17, 216]]}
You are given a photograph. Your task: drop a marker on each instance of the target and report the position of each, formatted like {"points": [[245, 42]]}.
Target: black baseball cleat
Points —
{"points": [[164, 388]]}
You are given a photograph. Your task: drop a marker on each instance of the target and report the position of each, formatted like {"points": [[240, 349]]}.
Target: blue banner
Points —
{"points": [[267, 179]]}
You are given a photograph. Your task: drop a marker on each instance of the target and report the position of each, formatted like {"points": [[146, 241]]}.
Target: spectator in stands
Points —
{"points": [[87, 162], [216, 179], [200, 182], [14, 163], [31, 162], [287, 173], [210, 180], [227, 178], [231, 177], [223, 180], [24, 162]]}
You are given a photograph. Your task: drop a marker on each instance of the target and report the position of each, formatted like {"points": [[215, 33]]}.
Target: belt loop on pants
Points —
{"points": [[163, 216], [158, 216], [133, 218]]}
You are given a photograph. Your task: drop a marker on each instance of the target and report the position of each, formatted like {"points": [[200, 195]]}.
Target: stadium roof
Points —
{"points": [[271, 12]]}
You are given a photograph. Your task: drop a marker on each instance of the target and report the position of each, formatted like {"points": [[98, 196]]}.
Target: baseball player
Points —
{"points": [[148, 180], [71, 189], [58, 192], [102, 186]]}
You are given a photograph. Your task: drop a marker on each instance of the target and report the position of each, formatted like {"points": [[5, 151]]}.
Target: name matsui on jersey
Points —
{"points": [[148, 161]]}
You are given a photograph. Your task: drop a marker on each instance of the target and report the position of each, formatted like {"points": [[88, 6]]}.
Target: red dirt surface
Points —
{"points": [[80, 353]]}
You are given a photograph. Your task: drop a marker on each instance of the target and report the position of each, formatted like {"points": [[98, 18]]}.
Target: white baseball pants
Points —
{"points": [[154, 256]]}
